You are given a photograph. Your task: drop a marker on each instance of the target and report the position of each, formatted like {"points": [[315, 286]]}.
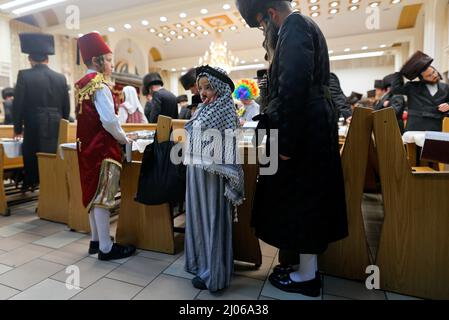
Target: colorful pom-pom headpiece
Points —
{"points": [[246, 89]]}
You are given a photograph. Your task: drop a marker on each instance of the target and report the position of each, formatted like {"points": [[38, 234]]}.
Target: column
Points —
{"points": [[435, 31], [5, 52]]}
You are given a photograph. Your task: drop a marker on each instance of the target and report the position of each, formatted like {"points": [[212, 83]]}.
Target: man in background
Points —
{"points": [[41, 100], [162, 101], [8, 98]]}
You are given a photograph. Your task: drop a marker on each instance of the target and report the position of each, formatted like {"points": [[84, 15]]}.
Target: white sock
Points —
{"points": [[93, 227], [102, 217], [308, 266]]}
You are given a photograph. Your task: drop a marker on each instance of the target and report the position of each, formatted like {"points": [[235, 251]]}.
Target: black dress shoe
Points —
{"points": [[199, 283], [117, 252], [283, 282], [282, 269], [94, 246]]}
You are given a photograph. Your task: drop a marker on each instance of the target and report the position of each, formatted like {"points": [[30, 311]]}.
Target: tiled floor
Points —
{"points": [[34, 255]]}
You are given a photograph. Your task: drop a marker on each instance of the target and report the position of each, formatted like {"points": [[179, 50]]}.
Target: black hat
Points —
{"points": [[250, 8], [7, 92], [388, 80], [417, 64], [188, 80], [37, 45], [182, 98], [151, 79], [354, 98], [261, 73], [214, 72], [379, 84], [371, 94]]}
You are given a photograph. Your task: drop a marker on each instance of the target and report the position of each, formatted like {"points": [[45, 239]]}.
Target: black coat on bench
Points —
{"points": [[302, 207]]}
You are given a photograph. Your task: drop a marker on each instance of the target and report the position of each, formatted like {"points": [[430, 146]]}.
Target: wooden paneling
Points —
{"points": [[413, 254], [349, 258]]}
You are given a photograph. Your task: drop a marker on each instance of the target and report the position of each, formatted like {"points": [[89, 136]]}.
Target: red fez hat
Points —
{"points": [[92, 45]]}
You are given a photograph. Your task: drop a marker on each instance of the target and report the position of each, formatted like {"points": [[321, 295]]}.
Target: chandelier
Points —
{"points": [[218, 55]]}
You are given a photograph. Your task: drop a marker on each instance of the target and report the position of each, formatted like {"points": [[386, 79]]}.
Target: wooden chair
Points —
{"points": [[53, 202], [6, 164], [413, 254], [349, 258]]}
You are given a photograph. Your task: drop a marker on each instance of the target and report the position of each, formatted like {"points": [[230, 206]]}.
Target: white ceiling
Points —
{"points": [[99, 15]]}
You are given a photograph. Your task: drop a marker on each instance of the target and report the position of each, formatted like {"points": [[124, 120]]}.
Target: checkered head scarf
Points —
{"points": [[212, 141]]}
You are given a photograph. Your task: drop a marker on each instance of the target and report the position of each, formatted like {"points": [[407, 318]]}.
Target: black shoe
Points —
{"points": [[283, 269], [117, 252], [94, 246], [283, 282], [199, 283]]}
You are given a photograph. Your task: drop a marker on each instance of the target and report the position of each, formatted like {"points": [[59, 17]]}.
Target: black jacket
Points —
{"points": [[339, 98], [397, 102], [7, 106], [302, 206], [41, 100], [164, 103], [423, 113]]}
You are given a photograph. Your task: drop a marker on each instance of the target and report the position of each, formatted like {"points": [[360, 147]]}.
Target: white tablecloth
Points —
{"points": [[416, 137], [343, 131], [13, 149], [138, 145], [68, 146]]}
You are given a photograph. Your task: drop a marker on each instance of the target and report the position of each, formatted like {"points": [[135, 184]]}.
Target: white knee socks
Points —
{"points": [[93, 227], [308, 266], [102, 217]]}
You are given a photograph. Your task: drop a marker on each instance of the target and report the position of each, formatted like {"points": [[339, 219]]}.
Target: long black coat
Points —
{"points": [[164, 103], [339, 98], [397, 102], [423, 113], [302, 207], [41, 100]]}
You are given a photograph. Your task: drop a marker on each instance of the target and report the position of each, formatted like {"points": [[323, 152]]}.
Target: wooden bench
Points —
{"points": [[53, 202], [146, 227], [349, 258], [6, 131], [413, 254]]}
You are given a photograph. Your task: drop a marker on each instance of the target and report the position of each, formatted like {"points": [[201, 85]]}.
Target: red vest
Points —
{"points": [[95, 144]]}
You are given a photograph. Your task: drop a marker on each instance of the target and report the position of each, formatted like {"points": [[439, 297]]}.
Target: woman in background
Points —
{"points": [[131, 111]]}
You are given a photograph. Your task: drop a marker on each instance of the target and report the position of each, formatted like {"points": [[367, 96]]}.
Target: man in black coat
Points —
{"points": [[162, 103], [339, 98], [188, 81], [8, 100], [427, 99], [41, 101], [390, 100], [302, 207]]}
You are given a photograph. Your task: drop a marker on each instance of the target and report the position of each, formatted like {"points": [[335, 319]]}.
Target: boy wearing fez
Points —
{"points": [[99, 136]]}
